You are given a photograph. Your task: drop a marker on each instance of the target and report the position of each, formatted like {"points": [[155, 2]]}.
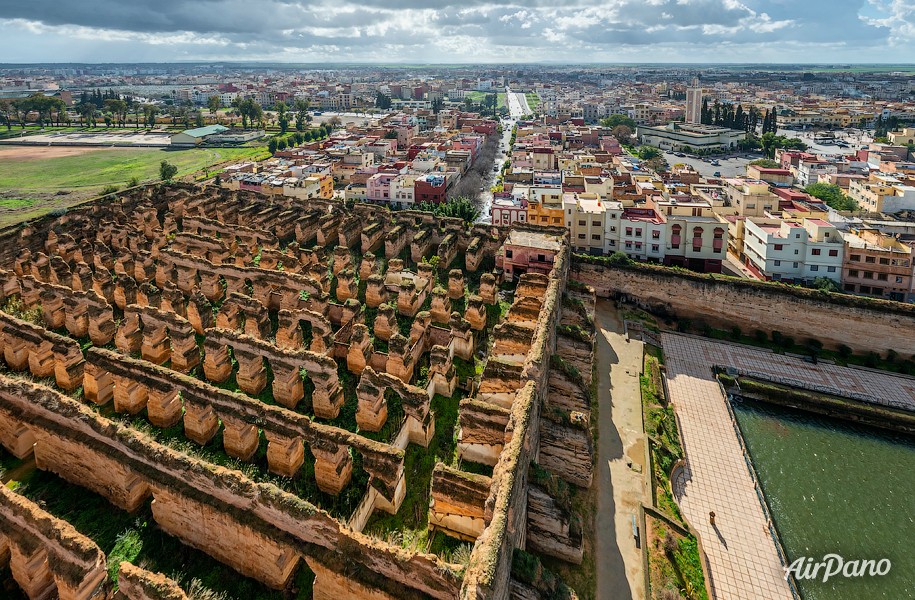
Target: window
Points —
{"points": [[795, 265], [581, 223], [853, 273], [869, 259], [797, 251], [797, 236], [612, 228], [638, 232], [629, 231], [881, 276], [654, 248], [814, 267], [868, 275], [777, 263], [655, 234], [581, 236], [595, 236], [508, 254], [849, 287], [833, 253], [831, 269], [779, 246], [884, 261], [865, 289], [628, 245], [595, 223], [719, 233], [899, 280], [855, 258], [815, 252]]}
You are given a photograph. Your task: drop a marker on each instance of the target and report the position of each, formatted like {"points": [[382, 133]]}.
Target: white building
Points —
{"points": [[594, 224], [792, 250], [701, 137]]}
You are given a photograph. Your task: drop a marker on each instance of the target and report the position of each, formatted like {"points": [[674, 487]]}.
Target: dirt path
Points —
{"points": [[620, 464], [42, 152]]}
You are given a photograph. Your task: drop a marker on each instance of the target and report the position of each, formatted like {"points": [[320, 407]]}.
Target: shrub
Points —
{"points": [[813, 344], [619, 259], [844, 351], [683, 325], [778, 338], [735, 332], [891, 356], [760, 336]]}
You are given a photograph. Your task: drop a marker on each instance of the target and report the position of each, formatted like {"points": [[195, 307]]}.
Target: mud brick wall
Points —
{"points": [[862, 324]]}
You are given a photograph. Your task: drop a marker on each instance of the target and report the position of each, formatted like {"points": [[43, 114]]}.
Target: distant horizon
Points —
{"points": [[410, 63]]}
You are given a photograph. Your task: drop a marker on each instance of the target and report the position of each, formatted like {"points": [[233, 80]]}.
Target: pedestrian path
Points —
{"points": [[742, 557]]}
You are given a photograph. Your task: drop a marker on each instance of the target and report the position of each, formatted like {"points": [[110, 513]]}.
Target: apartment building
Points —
{"points": [[695, 237], [594, 223], [810, 170], [791, 250], [877, 264], [643, 233], [508, 209], [882, 196], [748, 197]]}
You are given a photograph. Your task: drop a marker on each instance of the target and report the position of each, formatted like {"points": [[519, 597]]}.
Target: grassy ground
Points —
{"points": [[533, 100], [674, 564], [32, 187]]}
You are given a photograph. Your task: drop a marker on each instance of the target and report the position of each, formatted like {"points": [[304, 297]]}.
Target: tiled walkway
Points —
{"points": [[742, 557]]}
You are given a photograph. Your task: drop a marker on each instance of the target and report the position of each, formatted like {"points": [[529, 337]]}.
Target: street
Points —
{"points": [[729, 167]]}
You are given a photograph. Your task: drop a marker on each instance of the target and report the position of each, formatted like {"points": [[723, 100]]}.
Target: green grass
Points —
{"points": [[32, 184], [409, 526], [533, 100]]}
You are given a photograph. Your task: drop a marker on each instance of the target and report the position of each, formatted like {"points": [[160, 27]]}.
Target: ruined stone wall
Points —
{"points": [[862, 324], [205, 506]]}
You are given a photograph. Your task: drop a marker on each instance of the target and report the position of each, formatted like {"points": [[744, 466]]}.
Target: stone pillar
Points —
{"points": [[287, 384], [155, 346], [346, 285], [462, 341], [16, 353], [41, 360], [328, 396], [342, 259], [31, 572], [385, 322], [76, 317], [98, 385], [210, 285], [376, 293], [185, 353], [129, 337], [441, 306], [68, 369], [252, 375], [129, 396], [101, 324], [199, 312], [360, 349], [285, 455], [200, 422], [228, 317], [367, 266], [217, 364], [488, 291], [333, 466], [163, 407], [52, 309], [372, 410], [455, 284], [476, 313], [288, 330], [240, 439], [400, 360]]}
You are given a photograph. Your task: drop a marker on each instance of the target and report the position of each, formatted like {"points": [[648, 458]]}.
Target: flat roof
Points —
{"points": [[532, 239]]}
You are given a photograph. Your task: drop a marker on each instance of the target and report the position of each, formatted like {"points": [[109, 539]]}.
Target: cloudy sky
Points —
{"points": [[448, 31]]}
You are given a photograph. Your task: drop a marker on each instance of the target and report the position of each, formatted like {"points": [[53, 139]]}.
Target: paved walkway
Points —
{"points": [[621, 442], [743, 560]]}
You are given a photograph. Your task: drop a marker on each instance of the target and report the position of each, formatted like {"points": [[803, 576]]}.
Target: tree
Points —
{"points": [[705, 116], [623, 134], [281, 144], [825, 284], [461, 207], [437, 105], [334, 123], [301, 113], [214, 104], [832, 195], [6, 113], [167, 171], [649, 152], [766, 163], [282, 116], [381, 101], [656, 164], [272, 146], [617, 119]]}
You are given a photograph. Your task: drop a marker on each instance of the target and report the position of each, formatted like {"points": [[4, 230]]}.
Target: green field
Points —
{"points": [[30, 187], [533, 100]]}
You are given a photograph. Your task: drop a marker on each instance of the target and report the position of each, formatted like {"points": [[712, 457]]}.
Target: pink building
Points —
{"points": [[528, 250], [378, 187], [508, 210]]}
